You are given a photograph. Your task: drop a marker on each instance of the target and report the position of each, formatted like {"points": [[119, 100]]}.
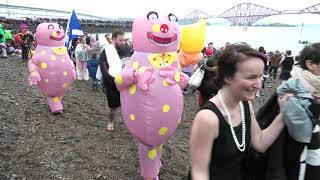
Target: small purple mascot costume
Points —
{"points": [[150, 87], [51, 69]]}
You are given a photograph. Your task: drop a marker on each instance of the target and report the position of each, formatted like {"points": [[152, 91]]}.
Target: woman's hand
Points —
{"points": [[282, 101]]}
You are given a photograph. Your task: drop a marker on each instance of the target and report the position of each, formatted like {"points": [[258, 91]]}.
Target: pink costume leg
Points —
{"points": [[150, 163], [55, 104]]}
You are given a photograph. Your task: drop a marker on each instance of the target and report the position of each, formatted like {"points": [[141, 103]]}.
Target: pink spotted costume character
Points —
{"points": [[150, 88], [51, 69]]}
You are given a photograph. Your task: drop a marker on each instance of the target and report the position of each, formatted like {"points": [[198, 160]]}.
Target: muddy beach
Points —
{"points": [[34, 144]]}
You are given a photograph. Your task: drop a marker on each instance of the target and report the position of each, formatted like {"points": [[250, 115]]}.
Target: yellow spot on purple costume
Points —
{"points": [[135, 65], [156, 28], [118, 79], [163, 131], [152, 154], [56, 99], [43, 65], [133, 89], [132, 117], [65, 73], [166, 108], [165, 83], [53, 58], [177, 77]]}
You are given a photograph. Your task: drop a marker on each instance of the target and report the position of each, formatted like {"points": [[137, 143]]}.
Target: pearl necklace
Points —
{"points": [[241, 146]]}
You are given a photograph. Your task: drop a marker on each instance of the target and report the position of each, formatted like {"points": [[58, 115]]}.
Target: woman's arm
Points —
{"points": [[261, 140], [205, 130], [88, 48]]}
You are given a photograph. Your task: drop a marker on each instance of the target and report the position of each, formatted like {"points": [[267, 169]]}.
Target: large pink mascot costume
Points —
{"points": [[51, 69], [150, 87]]}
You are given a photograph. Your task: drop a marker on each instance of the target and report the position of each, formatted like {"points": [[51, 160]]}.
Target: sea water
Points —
{"points": [[272, 38]]}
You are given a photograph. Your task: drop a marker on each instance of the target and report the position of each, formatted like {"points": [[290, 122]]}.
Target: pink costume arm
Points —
{"points": [[125, 78], [184, 79], [34, 75], [143, 77], [173, 75]]}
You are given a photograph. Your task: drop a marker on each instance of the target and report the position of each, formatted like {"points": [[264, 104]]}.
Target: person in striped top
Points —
{"points": [[308, 72], [288, 158]]}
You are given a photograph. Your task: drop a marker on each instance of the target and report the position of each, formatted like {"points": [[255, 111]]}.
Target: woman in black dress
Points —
{"points": [[225, 126]]}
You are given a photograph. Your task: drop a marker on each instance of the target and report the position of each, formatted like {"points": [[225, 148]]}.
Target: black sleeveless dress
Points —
{"points": [[227, 161]]}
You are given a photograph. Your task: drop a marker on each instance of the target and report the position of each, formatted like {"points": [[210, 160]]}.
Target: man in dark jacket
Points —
{"points": [[287, 64], [274, 63], [112, 93]]}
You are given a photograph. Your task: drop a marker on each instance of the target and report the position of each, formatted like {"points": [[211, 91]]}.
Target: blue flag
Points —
{"points": [[73, 30]]}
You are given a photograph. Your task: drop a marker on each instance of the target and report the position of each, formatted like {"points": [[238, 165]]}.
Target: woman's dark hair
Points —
{"points": [[311, 52], [231, 56], [208, 87]]}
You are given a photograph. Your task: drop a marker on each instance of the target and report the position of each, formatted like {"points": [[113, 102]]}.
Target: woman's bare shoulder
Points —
{"points": [[206, 118]]}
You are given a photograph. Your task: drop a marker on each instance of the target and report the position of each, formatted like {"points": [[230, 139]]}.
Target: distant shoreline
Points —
{"points": [[275, 25], [258, 25]]}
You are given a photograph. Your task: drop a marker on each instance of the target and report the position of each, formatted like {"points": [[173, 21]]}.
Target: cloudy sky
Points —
{"points": [[181, 8]]}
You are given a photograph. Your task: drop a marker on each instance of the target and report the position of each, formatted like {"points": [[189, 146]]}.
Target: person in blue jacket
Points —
{"points": [[92, 66]]}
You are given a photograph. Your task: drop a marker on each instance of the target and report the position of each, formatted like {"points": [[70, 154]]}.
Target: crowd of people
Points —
{"points": [[225, 130], [13, 22], [17, 35], [226, 134]]}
